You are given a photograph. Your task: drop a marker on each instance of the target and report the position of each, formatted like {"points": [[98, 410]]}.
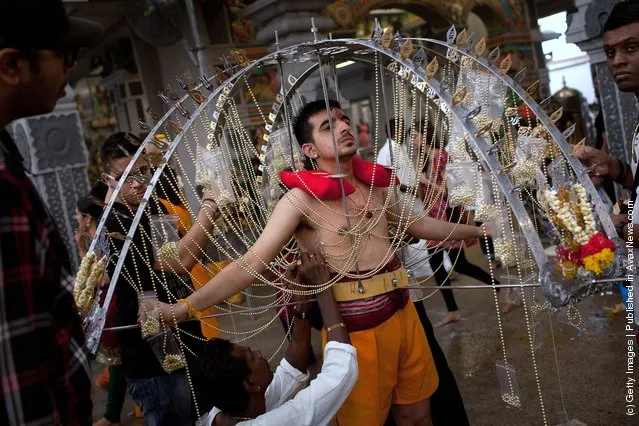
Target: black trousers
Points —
{"points": [[446, 404]]}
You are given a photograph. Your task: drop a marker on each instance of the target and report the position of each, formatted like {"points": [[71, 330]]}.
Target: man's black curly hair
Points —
{"points": [[301, 125], [219, 376], [623, 13]]}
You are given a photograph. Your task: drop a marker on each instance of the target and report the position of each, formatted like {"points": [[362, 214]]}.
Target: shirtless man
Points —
{"points": [[395, 363]]}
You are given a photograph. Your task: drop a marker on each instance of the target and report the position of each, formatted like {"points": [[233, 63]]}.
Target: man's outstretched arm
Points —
{"points": [[242, 273], [428, 228]]}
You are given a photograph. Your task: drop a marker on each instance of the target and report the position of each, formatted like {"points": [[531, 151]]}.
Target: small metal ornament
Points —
{"points": [[206, 83], [168, 91], [432, 68], [451, 35], [459, 96], [506, 64], [419, 58], [387, 38], [511, 111], [197, 96], [521, 75], [555, 116], [484, 129], [494, 55], [462, 39], [155, 159], [219, 74], [407, 49], [377, 32], [473, 113], [569, 131], [183, 84], [173, 127], [546, 102], [240, 57], [533, 89], [480, 48]]}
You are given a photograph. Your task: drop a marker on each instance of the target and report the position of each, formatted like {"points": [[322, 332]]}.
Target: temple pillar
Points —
{"points": [[56, 159], [585, 28], [292, 21]]}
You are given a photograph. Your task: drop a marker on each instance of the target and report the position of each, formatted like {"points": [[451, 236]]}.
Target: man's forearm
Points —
{"points": [[428, 228], [192, 245], [298, 352], [332, 318]]}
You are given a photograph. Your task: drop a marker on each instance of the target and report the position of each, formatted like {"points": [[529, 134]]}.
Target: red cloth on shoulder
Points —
{"points": [[319, 183]]}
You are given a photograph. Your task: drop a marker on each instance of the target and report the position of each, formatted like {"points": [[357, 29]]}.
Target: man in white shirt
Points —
{"points": [[237, 381], [621, 46]]}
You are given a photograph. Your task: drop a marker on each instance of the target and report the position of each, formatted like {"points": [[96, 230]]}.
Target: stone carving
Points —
{"points": [[511, 12], [56, 157], [19, 135], [621, 113], [596, 16], [57, 142]]}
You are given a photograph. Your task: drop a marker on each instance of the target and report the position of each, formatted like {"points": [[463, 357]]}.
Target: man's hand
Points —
{"points": [[590, 157], [211, 206], [313, 270]]}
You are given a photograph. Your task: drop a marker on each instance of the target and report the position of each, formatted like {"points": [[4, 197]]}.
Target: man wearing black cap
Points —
{"points": [[44, 368]]}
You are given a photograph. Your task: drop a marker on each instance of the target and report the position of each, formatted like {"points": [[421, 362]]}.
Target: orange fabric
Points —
{"points": [[395, 367], [199, 274]]}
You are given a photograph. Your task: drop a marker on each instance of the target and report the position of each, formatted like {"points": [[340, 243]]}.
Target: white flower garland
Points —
{"points": [[567, 217], [586, 210]]}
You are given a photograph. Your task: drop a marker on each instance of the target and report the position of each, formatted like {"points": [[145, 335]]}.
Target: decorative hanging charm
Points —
{"points": [[387, 38], [407, 49], [519, 77], [173, 127], [377, 32], [569, 131], [219, 74], [462, 39], [473, 113], [451, 35], [546, 102], [480, 48], [197, 96], [459, 96], [432, 68], [506, 64], [494, 55], [555, 116], [533, 89], [419, 58], [240, 57]]}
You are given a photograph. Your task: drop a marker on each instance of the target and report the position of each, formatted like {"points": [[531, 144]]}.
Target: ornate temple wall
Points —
{"points": [[56, 159]]}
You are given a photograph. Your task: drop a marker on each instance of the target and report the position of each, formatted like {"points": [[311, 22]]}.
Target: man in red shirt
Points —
{"points": [[44, 368]]}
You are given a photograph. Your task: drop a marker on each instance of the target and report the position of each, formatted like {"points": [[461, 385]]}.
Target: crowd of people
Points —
{"points": [[381, 362]]}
